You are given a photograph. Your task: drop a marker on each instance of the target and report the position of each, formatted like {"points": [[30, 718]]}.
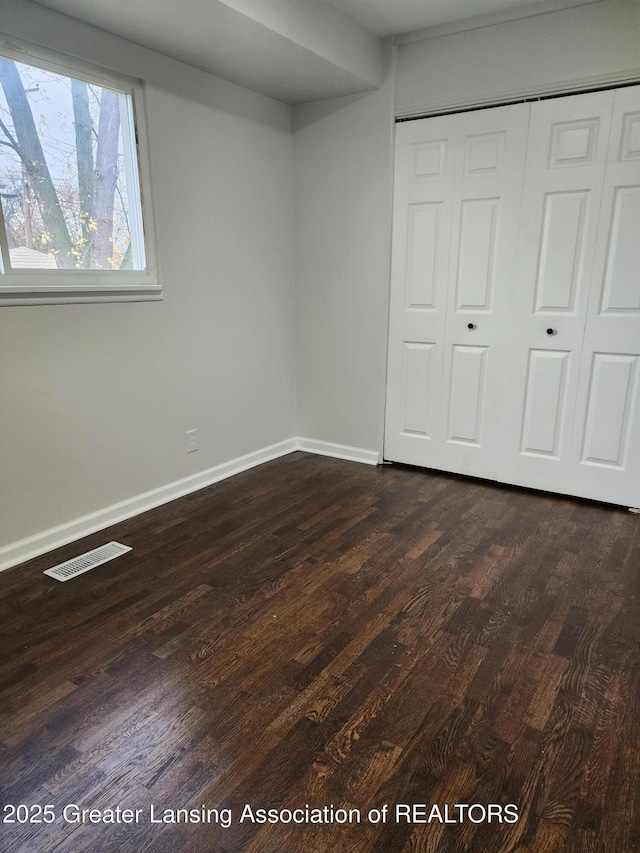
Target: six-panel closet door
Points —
{"points": [[515, 296], [547, 303], [606, 435], [458, 179]]}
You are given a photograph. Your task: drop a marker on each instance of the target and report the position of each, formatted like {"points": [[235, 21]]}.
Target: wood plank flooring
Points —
{"points": [[323, 633]]}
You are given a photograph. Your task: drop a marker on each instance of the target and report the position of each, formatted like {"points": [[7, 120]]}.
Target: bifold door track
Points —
{"points": [[86, 562], [528, 99]]}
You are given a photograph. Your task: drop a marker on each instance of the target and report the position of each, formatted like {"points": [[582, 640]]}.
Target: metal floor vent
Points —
{"points": [[85, 562]]}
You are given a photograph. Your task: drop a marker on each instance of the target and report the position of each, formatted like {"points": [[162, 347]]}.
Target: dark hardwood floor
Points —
{"points": [[327, 633]]}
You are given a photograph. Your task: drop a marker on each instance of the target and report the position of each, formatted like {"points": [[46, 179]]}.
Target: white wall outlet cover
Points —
{"points": [[192, 440]]}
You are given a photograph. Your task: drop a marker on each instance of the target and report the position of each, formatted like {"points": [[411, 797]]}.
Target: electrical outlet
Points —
{"points": [[192, 440]]}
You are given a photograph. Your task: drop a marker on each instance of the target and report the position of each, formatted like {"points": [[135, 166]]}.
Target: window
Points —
{"points": [[72, 226]]}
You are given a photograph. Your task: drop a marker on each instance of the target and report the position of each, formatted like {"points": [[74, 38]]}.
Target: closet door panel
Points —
{"points": [[606, 440], [466, 395], [561, 254], [424, 170], [612, 392], [457, 199], [563, 185], [487, 193], [544, 422]]}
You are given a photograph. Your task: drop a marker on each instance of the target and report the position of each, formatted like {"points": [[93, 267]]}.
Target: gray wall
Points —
{"points": [[95, 399], [558, 50], [342, 181]]}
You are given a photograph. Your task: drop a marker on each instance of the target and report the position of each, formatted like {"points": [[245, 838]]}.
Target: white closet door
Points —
{"points": [[425, 155], [514, 346], [487, 194], [566, 158], [606, 441], [456, 203]]}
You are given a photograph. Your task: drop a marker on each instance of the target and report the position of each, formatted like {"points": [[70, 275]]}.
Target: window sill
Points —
{"points": [[57, 295]]}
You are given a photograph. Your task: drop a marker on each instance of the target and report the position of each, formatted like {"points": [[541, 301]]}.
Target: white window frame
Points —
{"points": [[48, 286]]}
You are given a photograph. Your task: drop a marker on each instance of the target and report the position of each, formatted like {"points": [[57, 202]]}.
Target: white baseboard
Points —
{"points": [[339, 451], [55, 537], [40, 543]]}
